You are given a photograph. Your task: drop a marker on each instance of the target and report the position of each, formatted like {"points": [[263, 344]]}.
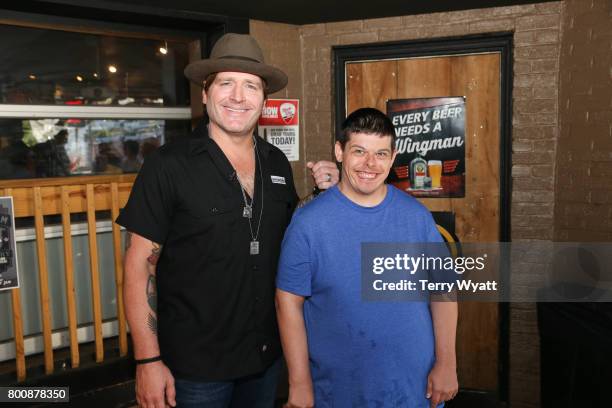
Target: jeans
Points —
{"points": [[254, 391]]}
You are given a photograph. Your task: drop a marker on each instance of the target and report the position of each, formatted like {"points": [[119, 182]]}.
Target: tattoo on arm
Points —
{"points": [[308, 198], [152, 301], [304, 201], [152, 293], [154, 257], [128, 240], [152, 323]]}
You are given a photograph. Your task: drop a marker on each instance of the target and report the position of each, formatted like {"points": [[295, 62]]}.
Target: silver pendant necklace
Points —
{"points": [[247, 211]]}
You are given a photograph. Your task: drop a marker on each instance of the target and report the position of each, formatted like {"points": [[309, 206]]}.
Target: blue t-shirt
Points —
{"points": [[362, 354]]}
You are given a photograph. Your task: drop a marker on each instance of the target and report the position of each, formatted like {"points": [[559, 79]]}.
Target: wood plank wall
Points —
{"points": [[65, 196]]}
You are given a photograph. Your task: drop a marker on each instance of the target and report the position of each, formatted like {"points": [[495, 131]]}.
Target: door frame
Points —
{"points": [[452, 46]]}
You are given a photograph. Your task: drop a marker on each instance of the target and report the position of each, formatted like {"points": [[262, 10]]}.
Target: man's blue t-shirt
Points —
{"points": [[362, 354]]}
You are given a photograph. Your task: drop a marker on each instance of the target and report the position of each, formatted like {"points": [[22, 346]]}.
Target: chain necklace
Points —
{"points": [[247, 211]]}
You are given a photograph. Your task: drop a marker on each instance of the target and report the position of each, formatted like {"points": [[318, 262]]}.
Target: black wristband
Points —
{"points": [[148, 360]]}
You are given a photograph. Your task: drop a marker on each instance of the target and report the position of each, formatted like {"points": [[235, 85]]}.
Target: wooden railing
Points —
{"points": [[63, 197]]}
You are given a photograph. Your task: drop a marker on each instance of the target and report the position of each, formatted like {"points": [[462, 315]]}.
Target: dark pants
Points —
{"points": [[254, 391]]}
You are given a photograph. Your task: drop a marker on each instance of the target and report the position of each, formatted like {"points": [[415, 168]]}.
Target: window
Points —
{"points": [[32, 148], [80, 104], [51, 67]]}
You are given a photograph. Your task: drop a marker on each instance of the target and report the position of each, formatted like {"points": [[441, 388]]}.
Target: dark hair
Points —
{"points": [[366, 120], [209, 81], [211, 78], [131, 147], [61, 137]]}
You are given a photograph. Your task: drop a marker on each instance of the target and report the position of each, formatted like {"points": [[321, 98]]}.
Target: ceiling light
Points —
{"points": [[95, 75], [112, 69], [79, 78], [164, 48], [32, 76]]}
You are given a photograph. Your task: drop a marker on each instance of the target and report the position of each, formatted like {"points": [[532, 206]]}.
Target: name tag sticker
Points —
{"points": [[278, 180]]}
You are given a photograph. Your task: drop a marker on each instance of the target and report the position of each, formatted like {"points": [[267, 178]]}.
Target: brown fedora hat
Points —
{"points": [[237, 53]]}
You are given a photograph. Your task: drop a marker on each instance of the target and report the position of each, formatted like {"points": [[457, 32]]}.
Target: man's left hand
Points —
{"points": [[442, 383], [324, 173]]}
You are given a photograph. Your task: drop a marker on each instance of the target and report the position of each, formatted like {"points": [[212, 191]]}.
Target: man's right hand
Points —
{"points": [[154, 386], [300, 397]]}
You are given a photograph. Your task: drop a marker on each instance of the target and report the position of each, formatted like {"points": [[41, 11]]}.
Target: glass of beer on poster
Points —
{"points": [[434, 168]]}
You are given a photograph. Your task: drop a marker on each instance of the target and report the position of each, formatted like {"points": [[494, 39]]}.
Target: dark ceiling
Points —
{"points": [[292, 12]]}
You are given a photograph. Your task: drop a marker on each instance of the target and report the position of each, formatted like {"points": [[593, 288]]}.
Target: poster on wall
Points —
{"points": [[8, 253], [430, 146], [279, 125]]}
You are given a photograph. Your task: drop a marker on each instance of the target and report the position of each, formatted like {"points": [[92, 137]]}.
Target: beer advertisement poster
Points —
{"points": [[279, 125], [8, 254], [430, 144]]}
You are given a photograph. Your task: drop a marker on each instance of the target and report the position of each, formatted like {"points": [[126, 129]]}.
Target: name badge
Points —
{"points": [[278, 180]]}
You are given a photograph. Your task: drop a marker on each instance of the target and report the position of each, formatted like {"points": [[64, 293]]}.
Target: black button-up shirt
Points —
{"points": [[216, 315]]}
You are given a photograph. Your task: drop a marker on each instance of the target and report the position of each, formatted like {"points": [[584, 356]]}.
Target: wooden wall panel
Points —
{"points": [[52, 198], [376, 93], [477, 77], [424, 77], [366, 92], [95, 274], [118, 257], [477, 215], [66, 196], [17, 323], [354, 99], [69, 273], [18, 334], [43, 280]]}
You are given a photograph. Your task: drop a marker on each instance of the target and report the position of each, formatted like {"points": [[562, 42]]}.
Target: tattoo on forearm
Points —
{"points": [[305, 200], [152, 301], [154, 257], [152, 293], [152, 323], [128, 240]]}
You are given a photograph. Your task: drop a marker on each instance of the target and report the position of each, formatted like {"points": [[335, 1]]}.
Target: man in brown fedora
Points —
{"points": [[205, 221]]}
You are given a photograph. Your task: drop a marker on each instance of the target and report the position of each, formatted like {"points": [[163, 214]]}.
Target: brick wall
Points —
{"points": [[281, 47], [583, 210]]}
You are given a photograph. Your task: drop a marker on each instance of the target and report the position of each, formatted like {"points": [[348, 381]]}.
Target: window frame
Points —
{"points": [[198, 31]]}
